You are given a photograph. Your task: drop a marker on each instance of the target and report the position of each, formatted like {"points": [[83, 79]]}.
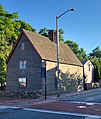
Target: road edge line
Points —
{"points": [[63, 113]]}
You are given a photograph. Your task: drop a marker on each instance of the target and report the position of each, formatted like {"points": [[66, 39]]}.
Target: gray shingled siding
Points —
{"points": [[32, 71]]}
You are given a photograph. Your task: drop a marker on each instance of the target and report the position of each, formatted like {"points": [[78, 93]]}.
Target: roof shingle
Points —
{"points": [[47, 49]]}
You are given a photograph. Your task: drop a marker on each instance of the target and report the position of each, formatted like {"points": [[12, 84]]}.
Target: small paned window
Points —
{"points": [[22, 82], [23, 46], [22, 65]]}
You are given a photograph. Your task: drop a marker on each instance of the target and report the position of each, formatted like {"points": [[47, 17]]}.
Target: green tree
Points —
{"points": [[2, 71], [24, 25], [95, 57], [61, 32], [74, 46], [44, 32], [82, 54], [79, 52], [1, 17], [9, 26], [7, 29], [96, 53]]}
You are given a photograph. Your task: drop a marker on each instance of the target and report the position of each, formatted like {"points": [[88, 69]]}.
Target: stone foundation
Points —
{"points": [[22, 94]]}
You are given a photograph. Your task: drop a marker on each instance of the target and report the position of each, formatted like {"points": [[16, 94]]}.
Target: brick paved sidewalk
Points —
{"points": [[19, 102], [25, 102], [69, 107]]}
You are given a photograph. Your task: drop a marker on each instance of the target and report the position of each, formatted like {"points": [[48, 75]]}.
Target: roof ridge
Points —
{"points": [[35, 33], [47, 49]]}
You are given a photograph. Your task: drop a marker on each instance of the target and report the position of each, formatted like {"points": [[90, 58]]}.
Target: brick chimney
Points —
{"points": [[52, 35]]}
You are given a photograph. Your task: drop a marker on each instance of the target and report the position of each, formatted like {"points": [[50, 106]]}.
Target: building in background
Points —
{"points": [[88, 74]]}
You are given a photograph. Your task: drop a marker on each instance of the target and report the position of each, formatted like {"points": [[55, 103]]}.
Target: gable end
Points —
{"points": [[16, 43]]}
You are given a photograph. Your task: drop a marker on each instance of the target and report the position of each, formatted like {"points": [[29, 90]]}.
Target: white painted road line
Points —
{"points": [[91, 118], [55, 112], [64, 113], [87, 103], [6, 107]]}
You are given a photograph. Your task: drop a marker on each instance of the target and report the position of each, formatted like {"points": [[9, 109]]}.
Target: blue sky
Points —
{"points": [[82, 26]]}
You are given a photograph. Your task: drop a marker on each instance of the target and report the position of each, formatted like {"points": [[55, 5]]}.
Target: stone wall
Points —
{"points": [[21, 94]]}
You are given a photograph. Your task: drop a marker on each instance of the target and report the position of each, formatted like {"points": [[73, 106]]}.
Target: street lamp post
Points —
{"points": [[57, 48]]}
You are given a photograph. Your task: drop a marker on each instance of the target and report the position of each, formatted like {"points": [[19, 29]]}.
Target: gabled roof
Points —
{"points": [[47, 49], [84, 61]]}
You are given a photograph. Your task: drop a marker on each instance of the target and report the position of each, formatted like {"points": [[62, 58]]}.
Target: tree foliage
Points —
{"points": [[95, 57], [9, 31], [2, 71], [79, 52], [44, 32], [24, 25], [61, 32], [96, 53]]}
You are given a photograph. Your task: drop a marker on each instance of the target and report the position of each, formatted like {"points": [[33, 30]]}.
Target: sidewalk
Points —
{"points": [[19, 102], [27, 102], [54, 97]]}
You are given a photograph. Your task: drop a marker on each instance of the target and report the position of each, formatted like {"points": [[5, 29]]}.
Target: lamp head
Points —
{"points": [[72, 9]]}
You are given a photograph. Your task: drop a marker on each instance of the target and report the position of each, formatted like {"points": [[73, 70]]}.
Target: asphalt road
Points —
{"points": [[25, 114]]}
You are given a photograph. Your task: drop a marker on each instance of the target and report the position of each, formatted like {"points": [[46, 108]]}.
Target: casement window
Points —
{"points": [[22, 82], [22, 65], [23, 46]]}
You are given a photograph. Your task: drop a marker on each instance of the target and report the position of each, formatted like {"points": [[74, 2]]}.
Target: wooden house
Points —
{"points": [[33, 60]]}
